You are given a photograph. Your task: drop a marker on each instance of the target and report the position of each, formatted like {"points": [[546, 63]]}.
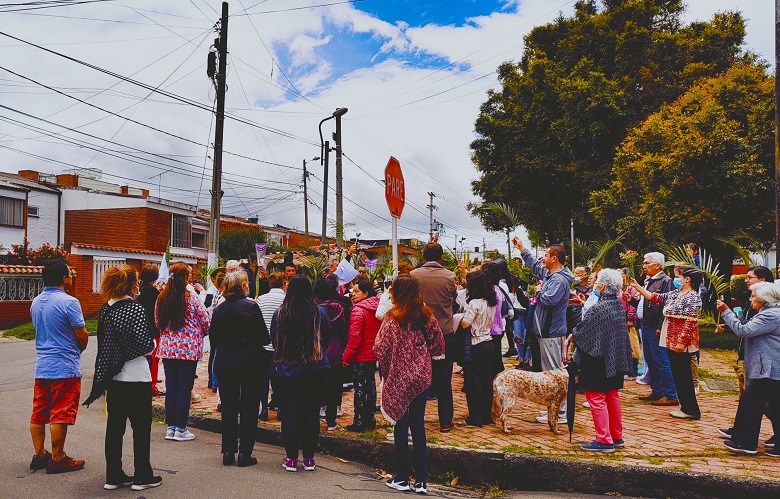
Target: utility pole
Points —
{"points": [[431, 207], [484, 248], [338, 113], [508, 247], [325, 156], [305, 205], [220, 44]]}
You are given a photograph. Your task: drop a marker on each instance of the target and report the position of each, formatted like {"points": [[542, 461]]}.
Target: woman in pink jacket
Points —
{"points": [[363, 326]]}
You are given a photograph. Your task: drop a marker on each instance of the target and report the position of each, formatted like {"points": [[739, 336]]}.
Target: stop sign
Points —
{"points": [[394, 188]]}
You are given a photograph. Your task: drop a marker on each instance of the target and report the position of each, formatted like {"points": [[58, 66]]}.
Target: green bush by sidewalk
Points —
{"points": [[27, 331]]}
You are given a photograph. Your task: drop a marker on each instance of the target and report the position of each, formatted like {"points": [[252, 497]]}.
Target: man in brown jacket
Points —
{"points": [[438, 291]]}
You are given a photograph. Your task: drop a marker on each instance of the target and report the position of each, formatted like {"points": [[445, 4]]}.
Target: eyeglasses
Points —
{"points": [[749, 277]]}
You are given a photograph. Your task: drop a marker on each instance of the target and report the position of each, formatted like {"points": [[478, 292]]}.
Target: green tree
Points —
{"points": [[699, 169], [239, 242], [547, 139]]}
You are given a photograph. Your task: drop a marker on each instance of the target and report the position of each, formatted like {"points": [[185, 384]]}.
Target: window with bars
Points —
{"points": [[11, 212], [99, 267], [181, 231]]}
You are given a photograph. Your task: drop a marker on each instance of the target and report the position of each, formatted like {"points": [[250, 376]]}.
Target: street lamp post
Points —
{"points": [[324, 158], [338, 113]]}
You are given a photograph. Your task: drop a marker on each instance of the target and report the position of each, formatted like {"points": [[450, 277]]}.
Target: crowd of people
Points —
{"points": [[301, 342]]}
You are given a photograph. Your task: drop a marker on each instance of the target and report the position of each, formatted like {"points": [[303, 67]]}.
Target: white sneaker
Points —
{"points": [[586, 405], [544, 419], [642, 381], [339, 412], [322, 411], [334, 427], [169, 433], [183, 436]]}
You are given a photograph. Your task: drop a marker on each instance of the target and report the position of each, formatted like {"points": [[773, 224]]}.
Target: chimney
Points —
{"points": [[68, 180], [31, 174], [125, 190], [145, 193]]}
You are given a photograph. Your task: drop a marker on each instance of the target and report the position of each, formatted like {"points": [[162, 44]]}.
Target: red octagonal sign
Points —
{"points": [[394, 187]]}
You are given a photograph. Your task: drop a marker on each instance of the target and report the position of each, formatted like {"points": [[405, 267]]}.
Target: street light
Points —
{"points": [[324, 158], [325, 150], [306, 200]]}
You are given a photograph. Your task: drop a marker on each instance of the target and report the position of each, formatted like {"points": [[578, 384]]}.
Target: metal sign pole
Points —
{"points": [[395, 247]]}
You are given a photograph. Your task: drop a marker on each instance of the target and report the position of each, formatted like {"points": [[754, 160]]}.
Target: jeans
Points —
{"points": [[239, 391], [442, 381], [299, 401], [747, 425], [478, 384], [607, 415], [680, 363], [657, 363], [128, 401], [364, 380], [179, 380], [334, 392], [414, 419]]}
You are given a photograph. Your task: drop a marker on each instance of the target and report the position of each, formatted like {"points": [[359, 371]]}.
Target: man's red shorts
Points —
{"points": [[56, 401]]}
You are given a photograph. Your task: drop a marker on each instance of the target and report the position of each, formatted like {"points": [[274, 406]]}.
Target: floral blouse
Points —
{"points": [[681, 319], [186, 343]]}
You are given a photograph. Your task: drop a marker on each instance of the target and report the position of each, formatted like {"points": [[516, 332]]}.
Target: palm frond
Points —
{"points": [[313, 266], [707, 266], [506, 212], [743, 252], [583, 252], [602, 249]]}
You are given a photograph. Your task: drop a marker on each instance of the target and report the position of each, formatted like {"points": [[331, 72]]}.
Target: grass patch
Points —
{"points": [[431, 439], [493, 491], [705, 373], [518, 449], [372, 435], [709, 338], [27, 331], [685, 462], [655, 460]]}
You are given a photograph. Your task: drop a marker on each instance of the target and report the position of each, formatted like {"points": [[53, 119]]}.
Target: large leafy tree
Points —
{"points": [[239, 242], [699, 169], [547, 139]]}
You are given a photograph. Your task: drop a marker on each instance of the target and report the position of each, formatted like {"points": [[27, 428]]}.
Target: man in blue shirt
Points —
{"points": [[60, 337]]}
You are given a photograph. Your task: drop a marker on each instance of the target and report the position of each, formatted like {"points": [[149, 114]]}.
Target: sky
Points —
{"points": [[412, 73]]}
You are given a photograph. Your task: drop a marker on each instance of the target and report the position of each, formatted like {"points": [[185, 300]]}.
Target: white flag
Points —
{"points": [[164, 275]]}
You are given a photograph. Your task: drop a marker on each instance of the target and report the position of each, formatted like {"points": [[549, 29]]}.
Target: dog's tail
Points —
{"points": [[496, 411]]}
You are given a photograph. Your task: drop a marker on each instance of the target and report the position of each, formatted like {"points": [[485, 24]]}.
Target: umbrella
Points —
{"points": [[571, 395]]}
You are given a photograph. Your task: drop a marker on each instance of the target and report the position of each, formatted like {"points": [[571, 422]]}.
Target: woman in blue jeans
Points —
{"points": [[183, 321], [408, 340]]}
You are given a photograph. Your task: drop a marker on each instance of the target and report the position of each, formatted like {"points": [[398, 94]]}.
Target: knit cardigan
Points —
{"points": [[405, 360]]}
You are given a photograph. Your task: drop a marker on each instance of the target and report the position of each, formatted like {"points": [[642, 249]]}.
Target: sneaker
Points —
{"points": [[725, 432], [290, 464], [586, 405], [308, 464], [123, 481], [598, 447], [738, 448], [420, 487], [263, 416], [665, 401], [244, 460], [322, 412], [773, 452], [64, 465], [446, 428], [334, 427], [510, 353], [40, 462], [357, 429], [169, 433], [470, 424], [770, 444], [154, 481], [339, 412], [682, 415], [544, 419], [642, 381], [394, 483], [619, 444], [391, 436], [629, 378], [183, 436]]}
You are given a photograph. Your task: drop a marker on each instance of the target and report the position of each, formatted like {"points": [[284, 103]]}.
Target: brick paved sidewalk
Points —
{"points": [[653, 438]]}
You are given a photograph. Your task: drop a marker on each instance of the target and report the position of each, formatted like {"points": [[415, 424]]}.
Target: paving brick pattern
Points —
{"points": [[653, 438]]}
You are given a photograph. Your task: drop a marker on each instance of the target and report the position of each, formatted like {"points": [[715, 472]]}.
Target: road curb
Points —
{"points": [[526, 472]]}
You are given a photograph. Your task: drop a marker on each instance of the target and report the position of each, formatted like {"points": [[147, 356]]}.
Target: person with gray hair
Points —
{"points": [[762, 367], [658, 371], [603, 355]]}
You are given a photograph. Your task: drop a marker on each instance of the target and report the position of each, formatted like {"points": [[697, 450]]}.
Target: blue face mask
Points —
{"points": [[597, 293], [677, 282]]}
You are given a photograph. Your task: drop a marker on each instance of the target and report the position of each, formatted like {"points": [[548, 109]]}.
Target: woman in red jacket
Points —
{"points": [[363, 326]]}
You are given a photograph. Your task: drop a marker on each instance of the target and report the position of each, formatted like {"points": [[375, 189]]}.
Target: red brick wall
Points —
{"points": [[13, 313], [90, 301], [131, 228], [295, 240]]}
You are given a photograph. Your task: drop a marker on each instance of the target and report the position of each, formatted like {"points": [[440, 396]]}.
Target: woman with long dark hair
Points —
{"points": [[122, 373], [183, 321], [147, 297], [326, 296], [410, 337], [300, 369], [478, 376], [504, 312], [238, 333]]}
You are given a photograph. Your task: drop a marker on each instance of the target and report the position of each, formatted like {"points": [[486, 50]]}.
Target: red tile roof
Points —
{"points": [[20, 269], [131, 250]]}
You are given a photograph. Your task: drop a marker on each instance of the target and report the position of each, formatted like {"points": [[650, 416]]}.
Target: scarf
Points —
{"points": [[603, 334], [122, 335]]}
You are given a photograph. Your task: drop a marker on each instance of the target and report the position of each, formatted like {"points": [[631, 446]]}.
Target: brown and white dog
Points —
{"points": [[547, 388]]}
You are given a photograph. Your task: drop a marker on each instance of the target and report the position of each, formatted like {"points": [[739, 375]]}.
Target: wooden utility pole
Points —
{"points": [[216, 180], [305, 204], [431, 207]]}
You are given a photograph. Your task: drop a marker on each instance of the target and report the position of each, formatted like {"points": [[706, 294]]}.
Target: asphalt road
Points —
{"points": [[189, 469]]}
